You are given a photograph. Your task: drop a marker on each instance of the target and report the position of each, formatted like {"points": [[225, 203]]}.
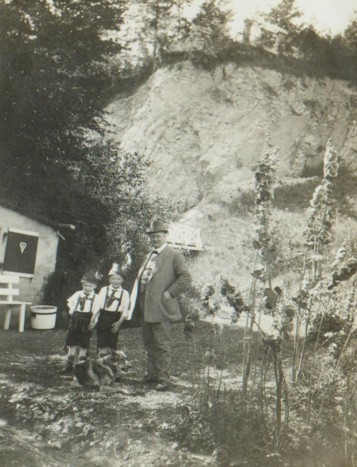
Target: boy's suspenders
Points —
{"points": [[91, 305], [84, 304], [118, 299]]}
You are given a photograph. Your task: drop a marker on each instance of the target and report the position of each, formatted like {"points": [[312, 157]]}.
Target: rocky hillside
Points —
{"points": [[205, 131]]}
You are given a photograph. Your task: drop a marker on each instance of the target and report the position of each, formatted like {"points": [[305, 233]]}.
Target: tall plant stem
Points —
{"points": [[281, 391], [252, 294], [303, 348], [336, 367], [342, 350], [296, 347], [297, 325], [247, 332], [314, 358], [255, 371], [345, 431], [278, 408]]}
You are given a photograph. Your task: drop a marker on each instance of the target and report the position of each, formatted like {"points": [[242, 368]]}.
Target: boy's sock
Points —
{"points": [[82, 354], [71, 352], [102, 352]]}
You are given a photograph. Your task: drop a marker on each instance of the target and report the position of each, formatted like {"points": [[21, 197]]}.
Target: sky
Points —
{"points": [[328, 16]]}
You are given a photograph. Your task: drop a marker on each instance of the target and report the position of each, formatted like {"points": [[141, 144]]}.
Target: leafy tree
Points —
{"points": [[343, 49], [279, 30], [55, 161], [210, 30], [311, 45], [154, 29], [53, 57], [350, 35]]}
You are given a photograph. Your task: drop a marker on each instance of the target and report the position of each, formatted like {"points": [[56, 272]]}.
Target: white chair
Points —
{"points": [[7, 294]]}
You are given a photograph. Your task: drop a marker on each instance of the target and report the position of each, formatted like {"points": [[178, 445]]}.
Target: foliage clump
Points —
{"points": [[58, 162]]}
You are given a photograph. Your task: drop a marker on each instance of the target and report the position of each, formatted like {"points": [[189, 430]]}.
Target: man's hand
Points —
{"points": [[91, 327], [116, 326], [167, 295]]}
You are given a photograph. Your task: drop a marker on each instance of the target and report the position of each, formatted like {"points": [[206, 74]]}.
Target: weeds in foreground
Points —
{"points": [[310, 420]]}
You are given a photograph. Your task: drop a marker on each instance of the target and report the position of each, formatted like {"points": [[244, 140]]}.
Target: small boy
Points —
{"points": [[113, 305], [83, 308]]}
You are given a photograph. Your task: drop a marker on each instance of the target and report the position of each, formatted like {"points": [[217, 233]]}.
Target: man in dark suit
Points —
{"points": [[162, 276]]}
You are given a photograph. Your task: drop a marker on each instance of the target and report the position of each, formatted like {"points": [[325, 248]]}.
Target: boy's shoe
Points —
{"points": [[68, 368], [163, 386], [149, 379]]}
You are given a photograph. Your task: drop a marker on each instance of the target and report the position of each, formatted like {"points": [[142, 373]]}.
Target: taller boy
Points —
{"points": [[113, 303], [162, 276]]}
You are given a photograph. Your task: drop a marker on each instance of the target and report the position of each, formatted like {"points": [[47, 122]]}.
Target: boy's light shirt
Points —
{"points": [[124, 305], [73, 302]]}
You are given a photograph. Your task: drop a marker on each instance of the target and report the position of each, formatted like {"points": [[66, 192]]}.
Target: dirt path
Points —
{"points": [[49, 420]]}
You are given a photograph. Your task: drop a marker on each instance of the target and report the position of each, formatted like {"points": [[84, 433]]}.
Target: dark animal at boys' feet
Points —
{"points": [[102, 372]]}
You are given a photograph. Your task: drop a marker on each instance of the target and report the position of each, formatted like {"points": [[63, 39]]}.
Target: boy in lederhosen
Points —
{"points": [[83, 309], [114, 304]]}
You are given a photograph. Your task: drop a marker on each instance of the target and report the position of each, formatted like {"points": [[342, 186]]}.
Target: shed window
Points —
{"points": [[20, 252]]}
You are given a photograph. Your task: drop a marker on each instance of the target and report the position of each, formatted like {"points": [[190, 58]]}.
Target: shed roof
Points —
{"points": [[34, 214]]}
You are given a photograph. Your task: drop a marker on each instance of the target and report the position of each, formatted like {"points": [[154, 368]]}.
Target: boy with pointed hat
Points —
{"points": [[83, 306], [113, 307]]}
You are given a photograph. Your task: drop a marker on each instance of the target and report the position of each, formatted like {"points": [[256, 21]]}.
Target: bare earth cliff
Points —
{"points": [[205, 131]]}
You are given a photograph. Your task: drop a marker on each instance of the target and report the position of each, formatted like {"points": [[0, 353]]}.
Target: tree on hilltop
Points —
{"points": [[155, 28], [350, 34], [279, 29], [210, 30]]}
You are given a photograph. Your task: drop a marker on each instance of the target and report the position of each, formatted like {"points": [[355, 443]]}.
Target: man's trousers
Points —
{"points": [[156, 337], [157, 343]]}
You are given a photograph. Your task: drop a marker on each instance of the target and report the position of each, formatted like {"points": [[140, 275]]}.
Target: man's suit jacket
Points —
{"points": [[169, 274]]}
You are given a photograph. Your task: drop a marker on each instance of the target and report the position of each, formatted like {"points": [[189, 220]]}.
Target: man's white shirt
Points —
{"points": [[150, 265]]}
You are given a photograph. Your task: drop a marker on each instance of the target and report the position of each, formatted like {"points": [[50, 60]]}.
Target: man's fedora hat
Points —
{"points": [[156, 227]]}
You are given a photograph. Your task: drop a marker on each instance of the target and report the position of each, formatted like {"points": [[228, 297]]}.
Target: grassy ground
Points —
{"points": [[49, 420]]}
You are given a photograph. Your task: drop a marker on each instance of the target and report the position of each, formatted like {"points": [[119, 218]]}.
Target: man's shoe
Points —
{"points": [[162, 387], [149, 380]]}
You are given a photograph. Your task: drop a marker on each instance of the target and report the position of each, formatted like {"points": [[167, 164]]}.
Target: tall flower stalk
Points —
{"points": [[323, 212], [317, 234], [265, 176]]}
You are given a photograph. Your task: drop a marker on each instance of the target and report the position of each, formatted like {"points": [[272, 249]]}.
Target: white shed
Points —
{"points": [[28, 248]]}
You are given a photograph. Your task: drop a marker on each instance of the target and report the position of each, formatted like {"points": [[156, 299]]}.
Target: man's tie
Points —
{"points": [[144, 279]]}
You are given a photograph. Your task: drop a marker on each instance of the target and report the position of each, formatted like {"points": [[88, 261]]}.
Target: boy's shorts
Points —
{"points": [[105, 336], [78, 332]]}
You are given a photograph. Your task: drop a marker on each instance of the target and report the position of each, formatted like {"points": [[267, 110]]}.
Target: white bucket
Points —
{"points": [[43, 317]]}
